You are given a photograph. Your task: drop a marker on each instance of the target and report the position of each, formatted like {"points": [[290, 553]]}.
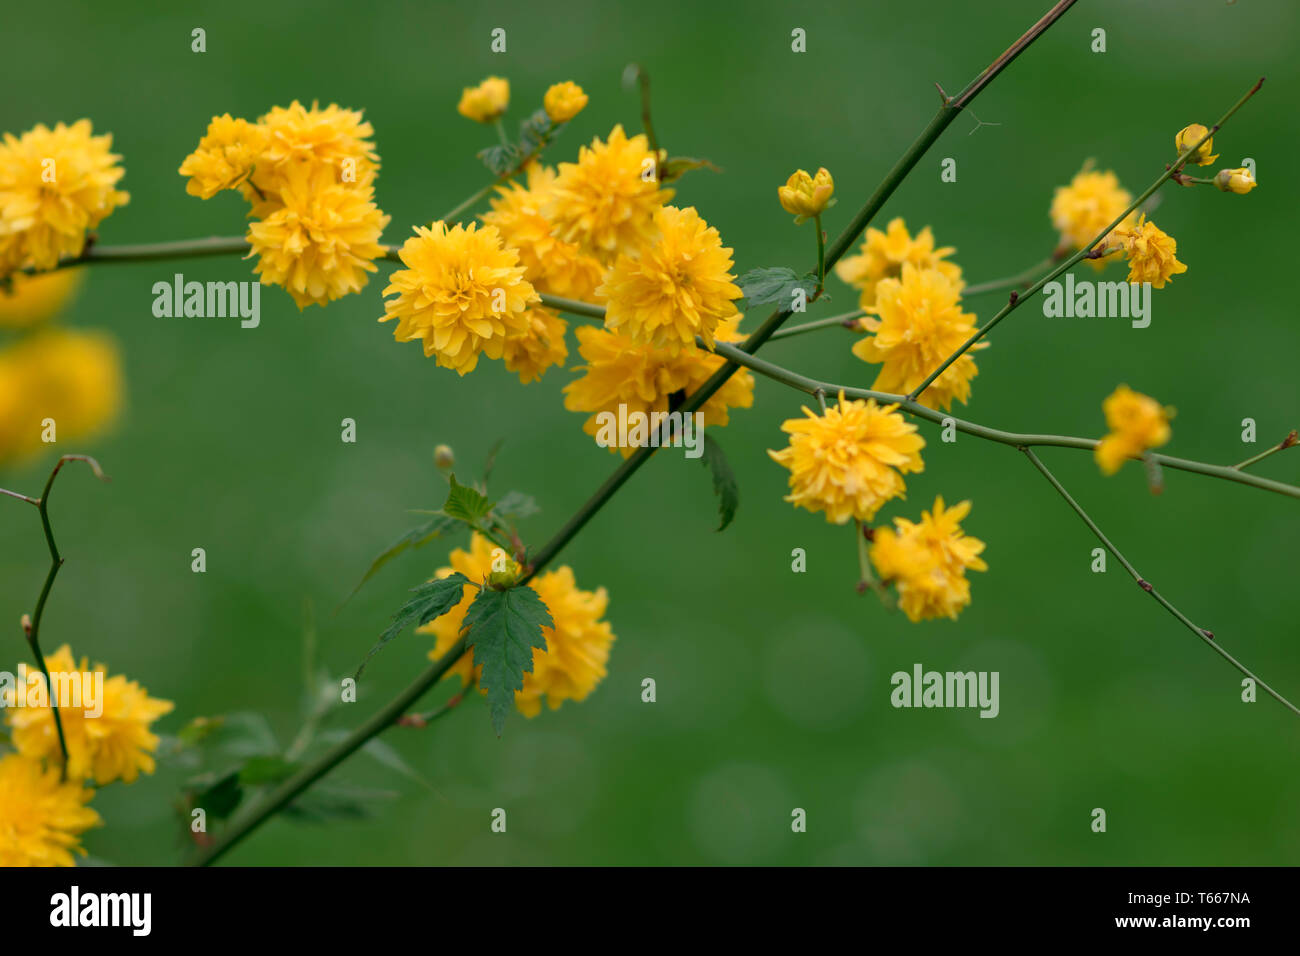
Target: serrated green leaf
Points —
{"points": [[417, 537], [501, 158], [534, 131], [465, 503], [503, 627], [675, 167], [774, 285], [515, 505], [724, 481], [432, 599]]}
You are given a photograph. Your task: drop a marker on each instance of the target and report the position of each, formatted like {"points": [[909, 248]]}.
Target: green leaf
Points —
{"points": [[432, 599], [325, 803], [260, 770], [675, 167], [515, 505], [724, 481], [465, 503], [774, 285], [534, 131], [501, 158], [417, 537], [218, 796], [503, 628]]}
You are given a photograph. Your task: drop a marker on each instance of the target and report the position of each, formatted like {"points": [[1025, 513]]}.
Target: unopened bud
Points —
{"points": [[443, 457], [1189, 136], [1239, 181], [805, 196]]}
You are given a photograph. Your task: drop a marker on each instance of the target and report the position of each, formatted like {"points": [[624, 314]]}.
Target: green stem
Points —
{"points": [[1287, 442], [1017, 281], [821, 254], [1018, 300], [1200, 632], [182, 249], [843, 321]]}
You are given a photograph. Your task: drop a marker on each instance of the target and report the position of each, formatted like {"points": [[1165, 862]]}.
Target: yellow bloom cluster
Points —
{"points": [[55, 185], [486, 102], [577, 647], [1150, 252], [928, 561], [643, 378], [849, 460], [41, 819], [1090, 203], [883, 255], [309, 176], [916, 322], [1136, 422], [564, 101], [805, 196]]}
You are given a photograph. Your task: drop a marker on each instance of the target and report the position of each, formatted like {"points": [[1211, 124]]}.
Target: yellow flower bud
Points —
{"points": [[1239, 181], [1187, 137], [486, 102], [443, 457], [564, 101], [805, 196], [505, 569]]}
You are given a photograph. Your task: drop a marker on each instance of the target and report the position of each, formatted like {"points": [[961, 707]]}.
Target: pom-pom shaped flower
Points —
{"points": [[531, 353], [1239, 181], [918, 322], [111, 741], [1150, 252], [334, 137], [72, 377], [30, 300], [564, 101], [1136, 422], [486, 102], [805, 196], [1189, 136], [462, 294], [577, 647], [41, 817], [642, 379], [551, 264], [675, 289], [928, 561], [605, 202], [883, 255], [849, 460], [55, 184], [320, 243], [1091, 202], [225, 156]]}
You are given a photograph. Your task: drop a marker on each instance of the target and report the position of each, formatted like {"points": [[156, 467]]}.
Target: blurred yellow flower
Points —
{"points": [[322, 241], [674, 289], [462, 294], [41, 818], [1239, 181], [531, 353], [486, 102], [115, 745], [1136, 422], [644, 378], [1189, 136], [225, 156], [55, 184], [918, 322], [33, 299], [849, 460], [564, 101], [805, 196], [883, 255], [1150, 252], [928, 561], [577, 647], [606, 201], [1091, 202]]}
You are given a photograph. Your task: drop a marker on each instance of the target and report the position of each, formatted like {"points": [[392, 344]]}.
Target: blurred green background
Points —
{"points": [[773, 687]]}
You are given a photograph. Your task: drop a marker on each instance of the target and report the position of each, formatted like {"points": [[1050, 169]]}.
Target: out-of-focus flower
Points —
{"points": [[41, 817], [33, 299], [486, 102], [564, 101], [883, 255], [1136, 422]]}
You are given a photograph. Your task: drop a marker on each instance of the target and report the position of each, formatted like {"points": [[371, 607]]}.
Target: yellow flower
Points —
{"points": [[54, 186], [577, 647], [883, 255], [72, 377], [1136, 422], [928, 561], [1088, 205], [674, 289], [225, 156], [531, 353], [33, 299], [644, 379], [486, 102], [1239, 181], [849, 460], [564, 101], [334, 137], [322, 241], [606, 201], [1187, 137], [41, 817], [462, 293], [805, 196], [115, 745], [918, 323], [1150, 252], [551, 265]]}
